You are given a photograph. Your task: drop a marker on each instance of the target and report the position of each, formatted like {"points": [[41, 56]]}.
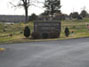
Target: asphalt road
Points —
{"points": [[64, 53]]}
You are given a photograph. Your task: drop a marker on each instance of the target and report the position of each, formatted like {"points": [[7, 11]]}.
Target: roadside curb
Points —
{"points": [[42, 40]]}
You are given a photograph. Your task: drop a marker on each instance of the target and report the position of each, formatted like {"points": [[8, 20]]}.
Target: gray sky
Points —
{"points": [[67, 7]]}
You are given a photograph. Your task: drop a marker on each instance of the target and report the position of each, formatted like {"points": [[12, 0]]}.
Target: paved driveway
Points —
{"points": [[64, 53]]}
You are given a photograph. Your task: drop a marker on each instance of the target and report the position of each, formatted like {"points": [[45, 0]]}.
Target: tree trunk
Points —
{"points": [[26, 14]]}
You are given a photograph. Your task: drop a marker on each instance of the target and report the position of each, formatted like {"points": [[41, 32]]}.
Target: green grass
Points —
{"points": [[78, 26]]}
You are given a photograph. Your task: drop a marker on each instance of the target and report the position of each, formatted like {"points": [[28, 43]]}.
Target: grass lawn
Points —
{"points": [[12, 33]]}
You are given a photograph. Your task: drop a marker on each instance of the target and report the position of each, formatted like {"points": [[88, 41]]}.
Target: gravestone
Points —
{"points": [[47, 28]]}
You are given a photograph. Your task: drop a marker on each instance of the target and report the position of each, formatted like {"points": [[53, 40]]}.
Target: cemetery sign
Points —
{"points": [[48, 28]]}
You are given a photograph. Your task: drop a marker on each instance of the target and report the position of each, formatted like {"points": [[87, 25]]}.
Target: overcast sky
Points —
{"points": [[67, 7]]}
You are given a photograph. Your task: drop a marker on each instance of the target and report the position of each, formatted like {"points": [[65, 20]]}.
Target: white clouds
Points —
{"points": [[67, 7], [73, 5]]}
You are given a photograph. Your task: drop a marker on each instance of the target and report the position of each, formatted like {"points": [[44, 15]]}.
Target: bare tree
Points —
{"points": [[25, 4]]}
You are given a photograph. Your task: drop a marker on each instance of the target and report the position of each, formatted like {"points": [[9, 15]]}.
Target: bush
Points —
{"points": [[45, 35], [35, 35], [33, 17], [10, 35], [54, 35], [67, 32], [79, 18], [26, 32]]}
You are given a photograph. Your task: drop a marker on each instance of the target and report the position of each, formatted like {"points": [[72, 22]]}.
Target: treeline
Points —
{"points": [[76, 15], [59, 15]]}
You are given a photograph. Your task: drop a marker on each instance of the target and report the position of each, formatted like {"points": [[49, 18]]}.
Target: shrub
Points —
{"points": [[67, 32], [4, 30], [79, 18], [26, 32], [45, 35], [54, 35], [10, 35], [35, 35]]}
